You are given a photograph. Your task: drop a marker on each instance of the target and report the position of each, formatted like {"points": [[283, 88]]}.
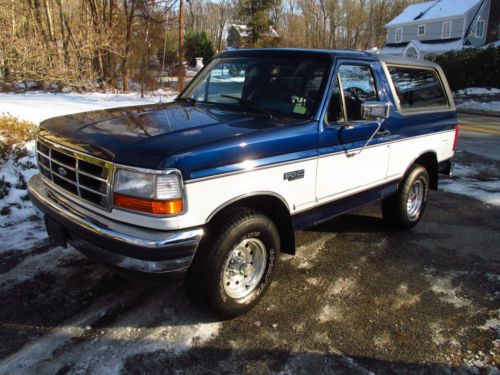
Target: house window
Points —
{"points": [[421, 30], [446, 30], [399, 35], [479, 29]]}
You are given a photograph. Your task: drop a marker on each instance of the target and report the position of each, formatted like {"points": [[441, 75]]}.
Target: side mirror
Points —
{"points": [[375, 110]]}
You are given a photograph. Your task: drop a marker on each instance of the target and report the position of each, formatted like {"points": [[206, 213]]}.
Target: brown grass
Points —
{"points": [[13, 133]]}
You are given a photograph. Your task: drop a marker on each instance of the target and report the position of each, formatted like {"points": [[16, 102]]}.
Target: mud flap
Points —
{"points": [[56, 232]]}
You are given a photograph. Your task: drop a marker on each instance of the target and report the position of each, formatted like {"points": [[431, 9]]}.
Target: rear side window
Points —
{"points": [[417, 88]]}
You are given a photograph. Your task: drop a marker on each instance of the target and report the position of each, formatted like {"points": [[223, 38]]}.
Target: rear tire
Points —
{"points": [[404, 209], [235, 263]]}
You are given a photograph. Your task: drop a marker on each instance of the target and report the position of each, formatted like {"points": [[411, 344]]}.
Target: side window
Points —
{"points": [[355, 85], [417, 88], [335, 111]]}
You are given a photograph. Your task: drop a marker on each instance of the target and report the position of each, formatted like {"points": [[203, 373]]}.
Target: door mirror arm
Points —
{"points": [[379, 126], [375, 111]]}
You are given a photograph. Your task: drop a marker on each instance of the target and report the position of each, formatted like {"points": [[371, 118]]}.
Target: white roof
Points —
{"points": [[431, 10], [244, 30], [437, 48], [425, 48], [392, 50]]}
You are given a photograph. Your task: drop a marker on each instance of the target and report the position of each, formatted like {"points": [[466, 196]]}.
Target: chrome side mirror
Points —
{"points": [[375, 110]]}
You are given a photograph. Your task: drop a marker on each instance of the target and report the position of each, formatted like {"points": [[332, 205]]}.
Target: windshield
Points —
{"points": [[280, 86]]}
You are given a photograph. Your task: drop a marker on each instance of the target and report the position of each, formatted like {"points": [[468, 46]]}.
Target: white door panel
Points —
{"points": [[338, 174]]}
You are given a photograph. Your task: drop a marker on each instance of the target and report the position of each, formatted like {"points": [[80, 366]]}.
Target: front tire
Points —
{"points": [[235, 264], [405, 208]]}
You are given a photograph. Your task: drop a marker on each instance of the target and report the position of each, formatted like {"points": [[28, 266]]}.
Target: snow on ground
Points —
{"points": [[21, 227], [466, 182], [149, 327], [479, 106], [483, 91], [37, 106]]}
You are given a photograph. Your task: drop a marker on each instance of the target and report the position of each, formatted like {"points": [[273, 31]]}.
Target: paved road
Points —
{"points": [[479, 124], [357, 298]]}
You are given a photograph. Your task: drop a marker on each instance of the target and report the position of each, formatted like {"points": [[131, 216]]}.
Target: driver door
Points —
{"points": [[344, 167]]}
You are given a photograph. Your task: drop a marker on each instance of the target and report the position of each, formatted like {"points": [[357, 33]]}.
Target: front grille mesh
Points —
{"points": [[83, 176]]}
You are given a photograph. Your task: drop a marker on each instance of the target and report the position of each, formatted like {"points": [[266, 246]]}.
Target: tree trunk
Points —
{"points": [[129, 16], [50, 24]]}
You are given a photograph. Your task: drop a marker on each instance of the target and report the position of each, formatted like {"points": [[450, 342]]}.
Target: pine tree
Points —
{"points": [[256, 15]]}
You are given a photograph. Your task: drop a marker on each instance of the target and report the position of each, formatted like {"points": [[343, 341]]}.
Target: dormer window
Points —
{"points": [[421, 30], [446, 33], [399, 35], [480, 29]]}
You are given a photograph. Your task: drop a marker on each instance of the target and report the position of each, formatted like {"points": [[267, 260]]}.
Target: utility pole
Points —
{"points": [[180, 79]]}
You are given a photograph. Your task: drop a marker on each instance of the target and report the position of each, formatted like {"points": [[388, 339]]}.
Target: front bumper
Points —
{"points": [[126, 248]]}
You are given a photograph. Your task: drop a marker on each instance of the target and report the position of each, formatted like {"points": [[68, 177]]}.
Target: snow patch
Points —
{"points": [[404, 298], [37, 106], [492, 324], [485, 191], [305, 254], [330, 313], [342, 286], [383, 340], [443, 286], [145, 329], [482, 91], [49, 261], [23, 235], [475, 105]]}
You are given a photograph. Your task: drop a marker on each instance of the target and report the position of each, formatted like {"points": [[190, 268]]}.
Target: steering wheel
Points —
{"points": [[357, 93]]}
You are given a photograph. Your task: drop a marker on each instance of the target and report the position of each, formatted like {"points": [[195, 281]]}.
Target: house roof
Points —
{"points": [[437, 48], [425, 48], [244, 30], [432, 10]]}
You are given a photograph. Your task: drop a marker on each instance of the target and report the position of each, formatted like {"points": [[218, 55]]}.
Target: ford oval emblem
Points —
{"points": [[62, 171]]}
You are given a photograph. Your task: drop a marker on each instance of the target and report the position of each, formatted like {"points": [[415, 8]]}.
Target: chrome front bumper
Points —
{"points": [[121, 246]]}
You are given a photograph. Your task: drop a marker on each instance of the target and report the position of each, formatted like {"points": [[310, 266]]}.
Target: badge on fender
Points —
{"points": [[294, 175]]}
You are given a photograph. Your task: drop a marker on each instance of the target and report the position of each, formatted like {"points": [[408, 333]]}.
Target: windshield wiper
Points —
{"points": [[191, 101], [249, 104]]}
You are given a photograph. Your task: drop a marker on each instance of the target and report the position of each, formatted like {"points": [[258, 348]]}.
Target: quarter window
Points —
{"points": [[355, 85], [399, 35], [421, 30], [446, 30], [479, 29], [417, 88]]}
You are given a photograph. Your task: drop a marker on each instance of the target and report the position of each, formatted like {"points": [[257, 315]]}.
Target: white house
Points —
{"points": [[426, 29], [234, 34]]}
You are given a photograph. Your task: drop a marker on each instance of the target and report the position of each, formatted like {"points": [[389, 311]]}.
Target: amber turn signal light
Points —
{"points": [[149, 206]]}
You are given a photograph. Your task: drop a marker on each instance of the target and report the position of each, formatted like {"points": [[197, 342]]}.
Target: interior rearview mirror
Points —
{"points": [[371, 110]]}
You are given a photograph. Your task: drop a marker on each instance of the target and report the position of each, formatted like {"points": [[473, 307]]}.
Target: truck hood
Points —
{"points": [[168, 135]]}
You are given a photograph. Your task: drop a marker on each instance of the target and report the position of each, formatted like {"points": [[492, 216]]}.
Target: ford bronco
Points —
{"points": [[211, 187]]}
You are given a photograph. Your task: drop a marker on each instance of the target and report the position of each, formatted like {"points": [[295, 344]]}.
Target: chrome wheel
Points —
{"points": [[244, 268], [415, 200]]}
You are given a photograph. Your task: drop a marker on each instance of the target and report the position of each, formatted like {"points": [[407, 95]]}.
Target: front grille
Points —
{"points": [[82, 175]]}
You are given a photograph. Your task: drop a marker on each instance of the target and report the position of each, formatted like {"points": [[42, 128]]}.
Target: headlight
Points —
{"points": [[159, 194]]}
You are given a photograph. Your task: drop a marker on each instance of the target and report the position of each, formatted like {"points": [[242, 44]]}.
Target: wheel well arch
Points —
{"points": [[270, 204], [429, 161]]}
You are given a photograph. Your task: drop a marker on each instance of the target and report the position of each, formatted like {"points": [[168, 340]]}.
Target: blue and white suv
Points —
{"points": [[262, 142]]}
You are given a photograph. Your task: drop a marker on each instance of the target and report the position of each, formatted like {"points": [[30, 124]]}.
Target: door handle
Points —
{"points": [[384, 132]]}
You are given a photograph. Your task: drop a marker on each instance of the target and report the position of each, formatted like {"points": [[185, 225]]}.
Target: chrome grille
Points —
{"points": [[79, 174]]}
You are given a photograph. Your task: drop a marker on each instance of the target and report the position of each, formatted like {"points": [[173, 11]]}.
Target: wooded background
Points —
{"points": [[89, 44]]}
